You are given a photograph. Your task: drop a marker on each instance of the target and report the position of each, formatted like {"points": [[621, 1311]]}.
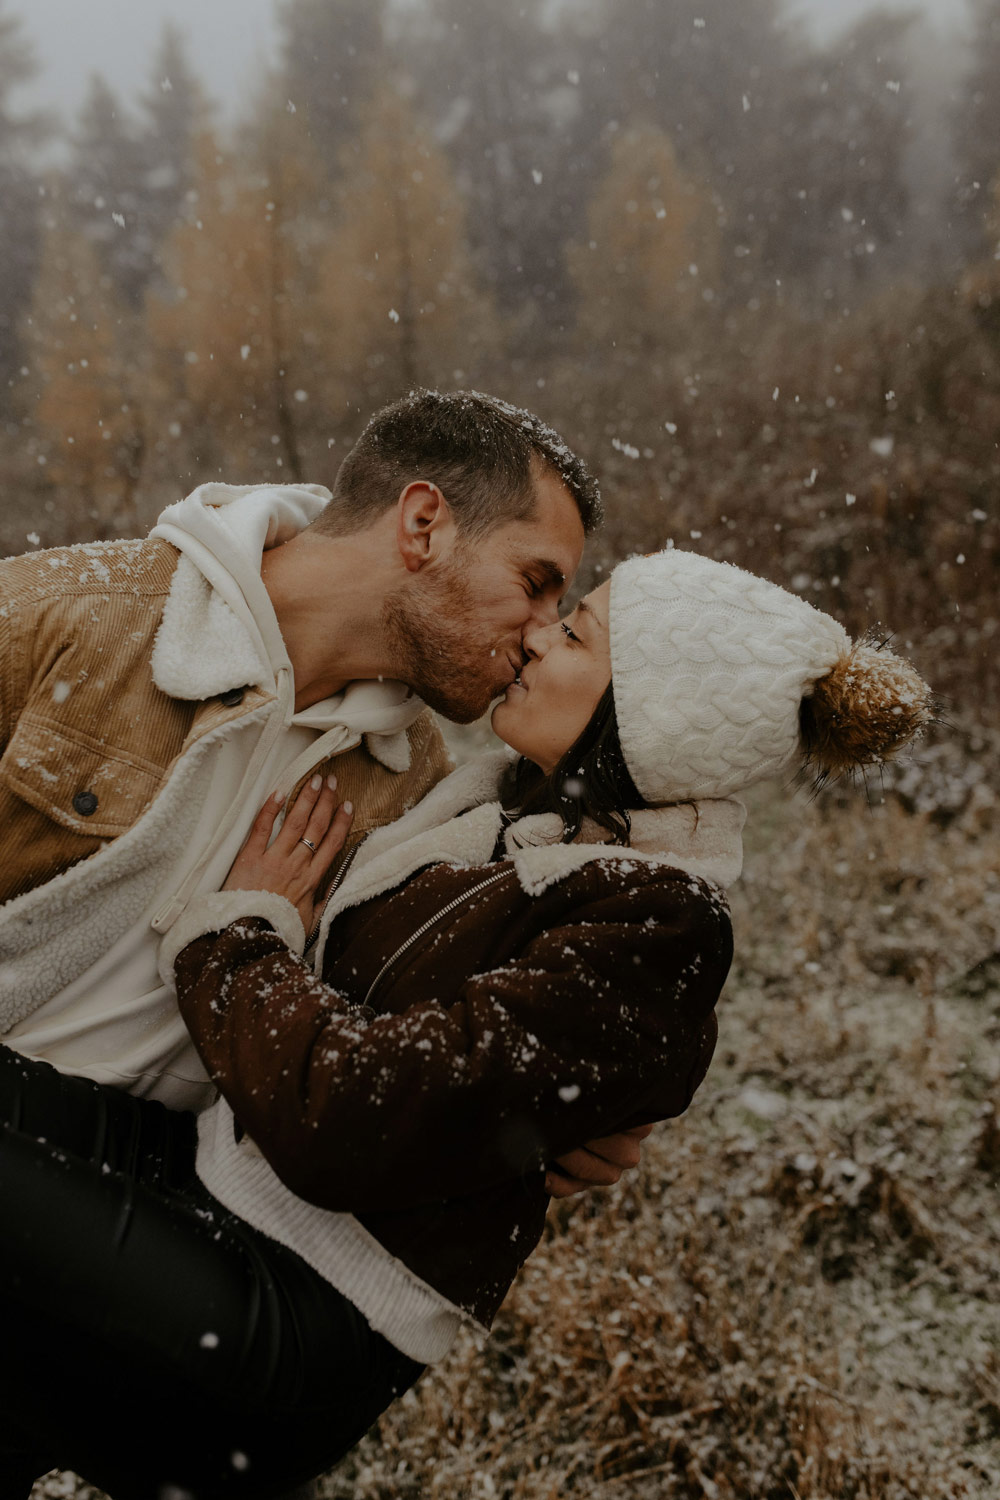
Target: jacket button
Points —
{"points": [[85, 803], [232, 697]]}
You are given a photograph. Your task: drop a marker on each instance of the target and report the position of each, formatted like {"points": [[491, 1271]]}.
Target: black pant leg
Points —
{"points": [[151, 1338], [140, 1137]]}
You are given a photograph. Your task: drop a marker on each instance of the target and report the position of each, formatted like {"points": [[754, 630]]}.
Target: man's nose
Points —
{"points": [[537, 639], [545, 610]]}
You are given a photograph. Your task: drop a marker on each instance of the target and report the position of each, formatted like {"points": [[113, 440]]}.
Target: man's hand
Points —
{"points": [[597, 1164]]}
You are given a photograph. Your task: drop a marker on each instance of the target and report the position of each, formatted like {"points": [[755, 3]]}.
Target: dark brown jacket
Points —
{"points": [[466, 1031]]}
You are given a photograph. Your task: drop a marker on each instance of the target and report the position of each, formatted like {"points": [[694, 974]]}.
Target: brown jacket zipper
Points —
{"points": [[335, 885], [431, 922]]}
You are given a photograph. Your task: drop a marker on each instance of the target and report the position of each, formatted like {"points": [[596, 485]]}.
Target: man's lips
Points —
{"points": [[519, 684], [515, 668]]}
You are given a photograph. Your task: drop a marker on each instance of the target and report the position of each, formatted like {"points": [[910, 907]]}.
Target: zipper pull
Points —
{"points": [[168, 913]]}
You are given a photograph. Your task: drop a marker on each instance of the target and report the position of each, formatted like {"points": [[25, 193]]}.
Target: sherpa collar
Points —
{"points": [[459, 821]]}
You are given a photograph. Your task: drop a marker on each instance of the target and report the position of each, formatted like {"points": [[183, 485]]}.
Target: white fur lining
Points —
{"points": [[201, 648], [55, 932], [702, 839], [215, 911], [413, 1315], [219, 629]]}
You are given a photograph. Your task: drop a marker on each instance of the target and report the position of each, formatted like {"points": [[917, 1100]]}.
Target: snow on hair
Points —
{"points": [[865, 709]]}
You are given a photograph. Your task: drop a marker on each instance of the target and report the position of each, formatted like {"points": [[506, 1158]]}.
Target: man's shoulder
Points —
{"points": [[142, 569], [430, 759], [425, 737]]}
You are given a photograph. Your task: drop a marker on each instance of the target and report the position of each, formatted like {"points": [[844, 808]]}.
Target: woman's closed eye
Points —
{"points": [[566, 630]]}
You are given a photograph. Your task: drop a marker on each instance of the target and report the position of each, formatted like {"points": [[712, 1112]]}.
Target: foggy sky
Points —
{"points": [[232, 41]]}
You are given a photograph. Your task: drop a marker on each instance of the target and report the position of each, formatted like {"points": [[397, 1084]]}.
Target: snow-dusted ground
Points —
{"points": [[797, 1295]]}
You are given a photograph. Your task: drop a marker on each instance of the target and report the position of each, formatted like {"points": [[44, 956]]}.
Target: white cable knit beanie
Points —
{"points": [[709, 665]]}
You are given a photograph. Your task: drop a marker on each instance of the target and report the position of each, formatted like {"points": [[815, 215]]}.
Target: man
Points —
{"points": [[153, 694]]}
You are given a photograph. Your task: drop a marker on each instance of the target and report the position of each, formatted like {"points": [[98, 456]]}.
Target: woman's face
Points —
{"points": [[543, 713]]}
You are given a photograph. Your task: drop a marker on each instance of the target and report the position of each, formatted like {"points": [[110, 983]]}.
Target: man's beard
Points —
{"points": [[436, 631]]}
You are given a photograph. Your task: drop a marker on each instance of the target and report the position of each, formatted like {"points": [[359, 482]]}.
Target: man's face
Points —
{"points": [[459, 626]]}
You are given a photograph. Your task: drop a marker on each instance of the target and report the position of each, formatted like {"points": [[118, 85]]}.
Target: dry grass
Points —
{"points": [[797, 1295]]}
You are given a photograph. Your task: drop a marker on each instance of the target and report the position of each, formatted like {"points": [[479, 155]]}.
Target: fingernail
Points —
{"points": [[331, 782], [316, 783], [348, 808], [276, 797]]}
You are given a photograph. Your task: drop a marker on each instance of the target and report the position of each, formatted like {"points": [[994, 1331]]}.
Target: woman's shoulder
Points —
{"points": [[616, 870], [698, 844], [636, 904]]}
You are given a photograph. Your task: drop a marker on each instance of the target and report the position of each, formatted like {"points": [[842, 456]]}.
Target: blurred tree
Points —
{"points": [[175, 111], [399, 298], [19, 196], [127, 181], [104, 178], [333, 55], [502, 83], [843, 193], [716, 78], [233, 334], [650, 263], [87, 412], [977, 125], [980, 286]]}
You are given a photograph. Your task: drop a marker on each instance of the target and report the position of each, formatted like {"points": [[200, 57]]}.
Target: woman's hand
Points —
{"points": [[290, 866]]}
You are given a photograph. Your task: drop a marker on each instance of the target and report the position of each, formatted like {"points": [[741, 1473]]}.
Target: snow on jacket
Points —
{"points": [[475, 1019], [128, 672]]}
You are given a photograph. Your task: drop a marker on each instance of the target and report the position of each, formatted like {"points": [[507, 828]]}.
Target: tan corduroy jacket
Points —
{"points": [[87, 740]]}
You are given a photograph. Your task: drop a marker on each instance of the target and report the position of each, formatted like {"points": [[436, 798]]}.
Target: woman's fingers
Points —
{"points": [[297, 818], [335, 837], [263, 825], [323, 811]]}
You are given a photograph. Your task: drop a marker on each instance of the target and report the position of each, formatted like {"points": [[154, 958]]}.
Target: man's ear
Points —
{"points": [[424, 526]]}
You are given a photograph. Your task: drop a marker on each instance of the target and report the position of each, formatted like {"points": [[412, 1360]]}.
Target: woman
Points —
{"points": [[530, 957]]}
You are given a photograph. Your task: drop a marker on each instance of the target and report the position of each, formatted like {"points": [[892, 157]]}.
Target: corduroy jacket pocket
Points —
{"points": [[78, 782]]}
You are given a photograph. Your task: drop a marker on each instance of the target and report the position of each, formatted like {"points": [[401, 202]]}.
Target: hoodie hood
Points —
{"points": [[219, 630], [218, 598]]}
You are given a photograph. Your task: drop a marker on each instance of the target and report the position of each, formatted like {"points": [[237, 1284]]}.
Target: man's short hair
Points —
{"points": [[481, 452]]}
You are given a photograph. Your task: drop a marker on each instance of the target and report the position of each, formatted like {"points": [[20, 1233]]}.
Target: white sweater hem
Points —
{"points": [[414, 1317]]}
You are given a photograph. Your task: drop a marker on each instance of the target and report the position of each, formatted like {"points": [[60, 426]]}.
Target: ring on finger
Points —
{"points": [[308, 843]]}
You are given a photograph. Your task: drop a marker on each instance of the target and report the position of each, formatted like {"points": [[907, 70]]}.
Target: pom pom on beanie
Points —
{"points": [[722, 679], [862, 711]]}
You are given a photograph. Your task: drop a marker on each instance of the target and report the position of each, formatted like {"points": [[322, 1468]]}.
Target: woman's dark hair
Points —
{"points": [[590, 781]]}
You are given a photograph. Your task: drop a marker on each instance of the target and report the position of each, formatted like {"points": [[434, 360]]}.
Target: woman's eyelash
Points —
{"points": [[563, 626]]}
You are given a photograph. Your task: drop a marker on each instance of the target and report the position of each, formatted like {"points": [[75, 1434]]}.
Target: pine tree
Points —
{"points": [[175, 111], [233, 331], [650, 264], [977, 126], [399, 299], [332, 54], [980, 286], [845, 196], [87, 410], [716, 78], [502, 84], [105, 189], [19, 196]]}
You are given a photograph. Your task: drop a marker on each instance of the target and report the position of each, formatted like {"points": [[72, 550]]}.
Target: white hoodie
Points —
{"points": [[108, 1014]]}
